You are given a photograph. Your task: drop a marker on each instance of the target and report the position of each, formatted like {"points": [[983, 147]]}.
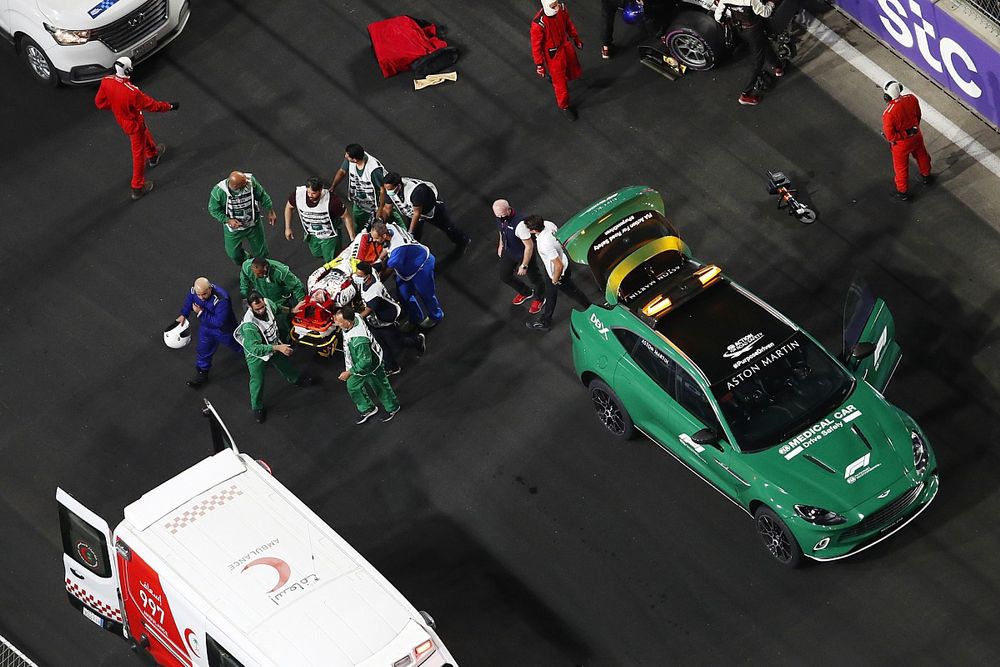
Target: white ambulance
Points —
{"points": [[222, 566]]}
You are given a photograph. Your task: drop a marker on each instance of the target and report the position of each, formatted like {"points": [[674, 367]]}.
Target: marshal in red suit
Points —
{"points": [[901, 128], [127, 102], [553, 37]]}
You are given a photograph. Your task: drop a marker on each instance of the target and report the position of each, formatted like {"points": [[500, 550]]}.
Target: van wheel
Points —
{"points": [[38, 63], [777, 538], [696, 40], [610, 410]]}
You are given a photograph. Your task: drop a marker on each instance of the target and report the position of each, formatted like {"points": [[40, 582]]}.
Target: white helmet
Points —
{"points": [[123, 66], [177, 335], [892, 89]]}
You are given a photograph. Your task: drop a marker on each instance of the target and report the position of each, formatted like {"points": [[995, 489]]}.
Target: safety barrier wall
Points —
{"points": [[11, 657], [951, 41]]}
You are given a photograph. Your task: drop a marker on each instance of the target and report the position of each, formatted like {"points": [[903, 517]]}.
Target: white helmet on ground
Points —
{"points": [[177, 335], [892, 89]]}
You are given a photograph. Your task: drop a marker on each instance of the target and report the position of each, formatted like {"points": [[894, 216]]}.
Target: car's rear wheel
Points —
{"points": [[38, 63], [610, 411], [696, 40], [777, 538]]}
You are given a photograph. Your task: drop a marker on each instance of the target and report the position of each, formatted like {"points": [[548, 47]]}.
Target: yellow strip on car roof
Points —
{"points": [[630, 263]]}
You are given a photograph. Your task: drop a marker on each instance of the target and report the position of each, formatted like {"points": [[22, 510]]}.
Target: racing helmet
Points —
{"points": [[892, 89], [177, 335], [123, 66], [633, 12]]}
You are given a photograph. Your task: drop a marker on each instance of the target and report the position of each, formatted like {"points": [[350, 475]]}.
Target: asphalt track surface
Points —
{"points": [[494, 500]]}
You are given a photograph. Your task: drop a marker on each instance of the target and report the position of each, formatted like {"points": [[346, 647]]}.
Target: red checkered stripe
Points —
{"points": [[114, 613], [195, 512]]}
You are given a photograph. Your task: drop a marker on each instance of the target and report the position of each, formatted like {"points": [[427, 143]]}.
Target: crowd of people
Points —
{"points": [[377, 237], [372, 239]]}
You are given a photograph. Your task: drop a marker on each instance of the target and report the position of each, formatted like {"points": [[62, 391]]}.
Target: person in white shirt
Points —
{"points": [[556, 264]]}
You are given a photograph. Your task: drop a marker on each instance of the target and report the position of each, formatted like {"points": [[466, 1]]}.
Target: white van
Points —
{"points": [[222, 566], [78, 41]]}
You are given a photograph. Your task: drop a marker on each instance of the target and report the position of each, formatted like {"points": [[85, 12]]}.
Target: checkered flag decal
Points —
{"points": [[114, 613], [200, 509]]}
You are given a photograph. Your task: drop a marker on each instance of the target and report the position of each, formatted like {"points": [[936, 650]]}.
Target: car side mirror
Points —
{"points": [[862, 350], [706, 436]]}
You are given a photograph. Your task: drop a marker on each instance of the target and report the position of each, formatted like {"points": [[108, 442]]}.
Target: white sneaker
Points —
{"points": [[367, 415]]}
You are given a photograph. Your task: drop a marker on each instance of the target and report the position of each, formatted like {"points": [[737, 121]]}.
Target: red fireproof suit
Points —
{"points": [[901, 128], [128, 102], [552, 40]]}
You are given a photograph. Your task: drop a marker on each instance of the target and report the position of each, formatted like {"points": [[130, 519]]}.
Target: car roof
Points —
{"points": [[231, 532], [722, 328]]}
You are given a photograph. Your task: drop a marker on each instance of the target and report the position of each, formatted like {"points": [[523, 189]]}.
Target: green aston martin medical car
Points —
{"points": [[802, 440]]}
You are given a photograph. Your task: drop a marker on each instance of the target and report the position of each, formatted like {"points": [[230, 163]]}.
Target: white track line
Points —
{"points": [[930, 115]]}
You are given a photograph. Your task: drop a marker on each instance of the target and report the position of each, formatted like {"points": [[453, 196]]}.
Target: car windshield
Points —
{"points": [[623, 238], [781, 393]]}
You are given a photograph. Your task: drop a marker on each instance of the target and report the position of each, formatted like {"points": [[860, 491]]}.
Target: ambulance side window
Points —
{"points": [[218, 656], [84, 543]]}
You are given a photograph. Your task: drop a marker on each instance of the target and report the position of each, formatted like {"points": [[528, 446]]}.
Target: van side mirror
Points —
{"points": [[862, 350], [706, 436]]}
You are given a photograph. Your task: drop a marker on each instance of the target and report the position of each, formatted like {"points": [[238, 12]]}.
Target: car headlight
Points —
{"points": [[819, 516], [65, 37], [920, 456]]}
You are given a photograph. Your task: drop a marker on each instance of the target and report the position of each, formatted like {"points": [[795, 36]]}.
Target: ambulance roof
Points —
{"points": [[270, 568]]}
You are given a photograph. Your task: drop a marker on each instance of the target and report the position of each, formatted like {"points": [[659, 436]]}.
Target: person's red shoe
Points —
{"points": [[536, 306], [749, 100], [520, 298]]}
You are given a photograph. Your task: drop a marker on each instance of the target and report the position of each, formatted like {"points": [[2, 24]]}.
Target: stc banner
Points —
{"points": [[939, 45]]}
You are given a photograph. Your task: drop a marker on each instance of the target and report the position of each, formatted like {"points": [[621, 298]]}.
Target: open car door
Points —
{"points": [[91, 571], [870, 348]]}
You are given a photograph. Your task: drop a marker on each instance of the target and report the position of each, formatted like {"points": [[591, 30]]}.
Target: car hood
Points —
{"points": [[855, 453], [84, 14]]}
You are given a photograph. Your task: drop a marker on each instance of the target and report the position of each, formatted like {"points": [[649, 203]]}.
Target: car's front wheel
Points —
{"points": [[38, 63], [610, 410], [777, 538], [696, 40]]}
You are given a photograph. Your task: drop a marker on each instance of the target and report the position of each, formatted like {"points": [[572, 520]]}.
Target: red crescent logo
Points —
{"points": [[280, 566], [187, 640]]}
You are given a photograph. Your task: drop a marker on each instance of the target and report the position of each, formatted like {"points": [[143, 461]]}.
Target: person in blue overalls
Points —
{"points": [[413, 264], [212, 307]]}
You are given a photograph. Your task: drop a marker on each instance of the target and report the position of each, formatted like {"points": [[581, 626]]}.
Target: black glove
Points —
{"points": [[174, 106]]}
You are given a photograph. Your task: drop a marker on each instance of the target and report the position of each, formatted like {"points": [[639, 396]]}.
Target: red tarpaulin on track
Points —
{"points": [[401, 40]]}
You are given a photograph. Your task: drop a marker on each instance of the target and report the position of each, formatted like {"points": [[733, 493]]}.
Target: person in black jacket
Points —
{"points": [[418, 202], [380, 313]]}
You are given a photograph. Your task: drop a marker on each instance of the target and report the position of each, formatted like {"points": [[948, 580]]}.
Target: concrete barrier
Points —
{"points": [[951, 41]]}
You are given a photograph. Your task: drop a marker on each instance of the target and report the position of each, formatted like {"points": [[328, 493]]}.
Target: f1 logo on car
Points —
{"points": [[857, 465]]}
